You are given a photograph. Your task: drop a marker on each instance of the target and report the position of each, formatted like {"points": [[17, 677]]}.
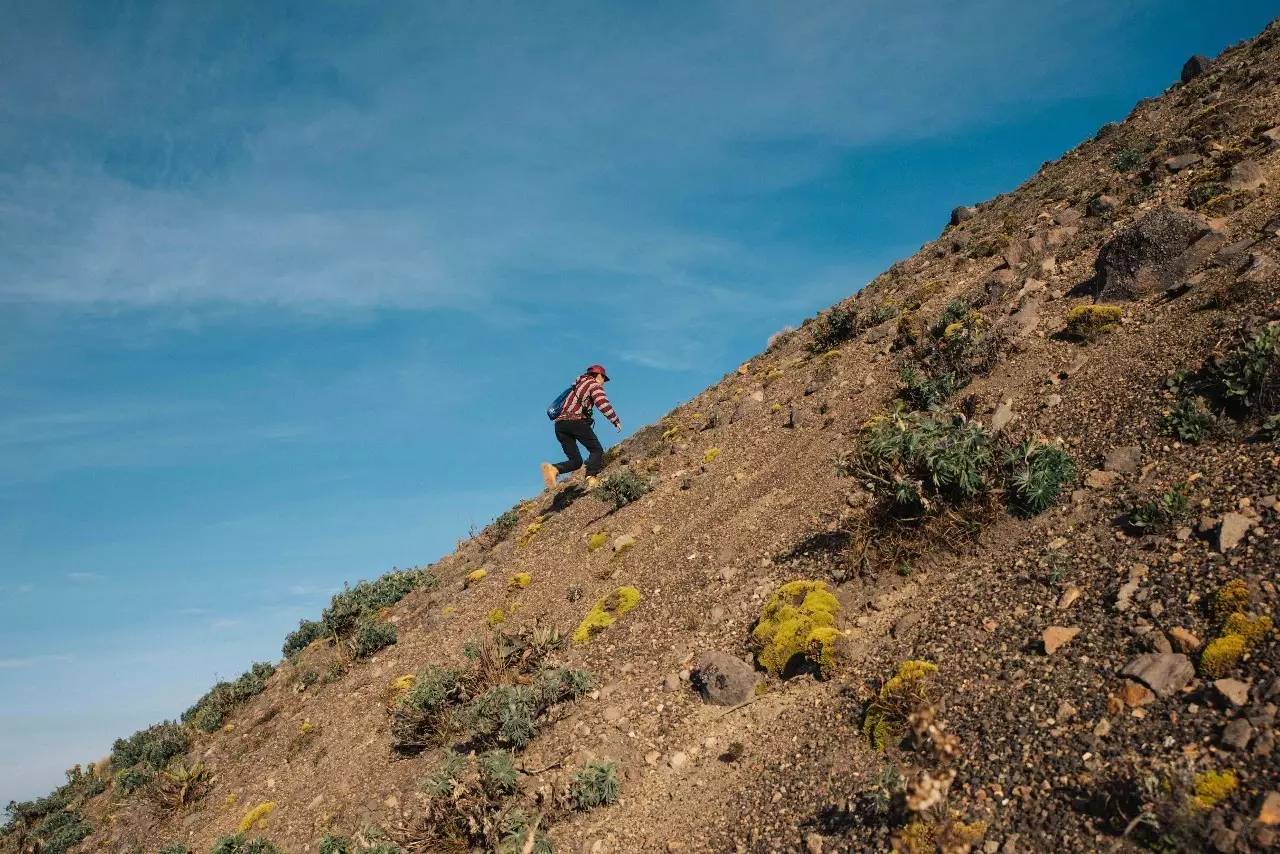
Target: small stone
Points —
{"points": [[1269, 814], [678, 760], [1223, 840], [1055, 636], [1165, 673], [1099, 479], [1068, 597], [1102, 729], [905, 624], [1135, 695], [612, 714], [1003, 415], [1233, 690], [623, 542], [1159, 642], [1125, 460], [1246, 175], [717, 613], [1182, 161], [652, 757], [1066, 711], [723, 679], [1237, 734], [1232, 530], [962, 213], [1194, 67], [813, 843], [671, 682], [1183, 640]]}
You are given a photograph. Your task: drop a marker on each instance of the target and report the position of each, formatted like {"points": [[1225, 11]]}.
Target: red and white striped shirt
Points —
{"points": [[587, 392]]}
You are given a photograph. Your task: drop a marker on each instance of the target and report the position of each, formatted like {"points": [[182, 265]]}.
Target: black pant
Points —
{"points": [[570, 433]]}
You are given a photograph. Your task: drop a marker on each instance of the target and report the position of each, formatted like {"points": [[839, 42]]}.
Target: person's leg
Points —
{"points": [[595, 451], [567, 436]]}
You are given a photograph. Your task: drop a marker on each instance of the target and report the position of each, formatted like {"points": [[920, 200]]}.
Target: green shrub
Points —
{"points": [[334, 844], [418, 717], [957, 347], [915, 456], [130, 780], [833, 328], [470, 806], [622, 488], [240, 844], [299, 639], [1189, 420], [1246, 377], [60, 831], [595, 785], [507, 715], [52, 823], [1162, 513], [372, 636], [175, 848], [211, 710], [504, 525], [1127, 159], [516, 829], [1270, 429], [1203, 193], [349, 607], [1036, 473], [152, 747]]}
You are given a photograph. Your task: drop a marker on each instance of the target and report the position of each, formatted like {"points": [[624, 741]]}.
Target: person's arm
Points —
{"points": [[601, 401]]}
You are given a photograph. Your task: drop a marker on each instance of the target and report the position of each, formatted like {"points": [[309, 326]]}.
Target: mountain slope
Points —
{"points": [[1070, 708]]}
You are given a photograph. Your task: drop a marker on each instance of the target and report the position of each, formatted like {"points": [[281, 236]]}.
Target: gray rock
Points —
{"points": [[1261, 269], [1067, 216], [723, 679], [1165, 673], [1237, 734], [1232, 530], [904, 624], [962, 213], [1194, 67], [1126, 460], [1233, 691], [881, 332], [1103, 204], [1246, 175], [1182, 161], [1003, 415], [1153, 254]]}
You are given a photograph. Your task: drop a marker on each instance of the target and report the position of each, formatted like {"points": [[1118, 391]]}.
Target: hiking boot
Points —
{"points": [[592, 482], [549, 474]]}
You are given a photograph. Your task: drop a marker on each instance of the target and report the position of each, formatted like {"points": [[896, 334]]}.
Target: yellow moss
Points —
{"points": [[529, 533], [1213, 787], [908, 689], [916, 838], [597, 540], [399, 688], [1221, 655], [230, 800], [1253, 629], [448, 609], [774, 373], [1087, 321], [1231, 597], [798, 619], [305, 727], [777, 407], [475, 576], [710, 455], [496, 616], [228, 727], [254, 817], [671, 432], [605, 613], [520, 581], [831, 355]]}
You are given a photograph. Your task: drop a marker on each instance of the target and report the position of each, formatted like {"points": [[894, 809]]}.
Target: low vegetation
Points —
{"points": [[53, 824], [958, 346], [355, 608], [211, 711], [1162, 512], [796, 630], [1238, 633], [1088, 322], [622, 488], [910, 689], [238, 843], [606, 612]]}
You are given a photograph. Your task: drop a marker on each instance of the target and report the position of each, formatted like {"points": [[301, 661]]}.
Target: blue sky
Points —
{"points": [[284, 287]]}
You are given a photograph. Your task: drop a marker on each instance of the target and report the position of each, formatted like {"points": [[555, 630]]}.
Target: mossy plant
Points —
{"points": [[256, 816], [496, 617], [1221, 655], [1231, 598], [710, 455], [520, 581], [1087, 322], [909, 689], [475, 576], [1211, 788], [797, 626], [1253, 630], [597, 540], [605, 613], [531, 530]]}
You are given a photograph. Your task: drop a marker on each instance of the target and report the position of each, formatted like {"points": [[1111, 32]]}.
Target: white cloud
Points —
{"points": [[33, 661]]}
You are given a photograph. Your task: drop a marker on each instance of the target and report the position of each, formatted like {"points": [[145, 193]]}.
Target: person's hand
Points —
{"points": [[617, 425]]}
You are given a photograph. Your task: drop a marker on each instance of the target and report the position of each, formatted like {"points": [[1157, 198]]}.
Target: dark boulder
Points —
{"points": [[1194, 67], [1153, 254]]}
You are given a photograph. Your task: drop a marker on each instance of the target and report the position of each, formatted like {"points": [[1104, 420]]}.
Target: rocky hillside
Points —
{"points": [[982, 558]]}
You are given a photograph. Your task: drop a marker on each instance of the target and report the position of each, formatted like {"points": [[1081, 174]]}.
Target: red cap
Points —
{"points": [[599, 369]]}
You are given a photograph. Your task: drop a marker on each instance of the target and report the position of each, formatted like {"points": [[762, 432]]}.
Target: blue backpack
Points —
{"points": [[553, 411]]}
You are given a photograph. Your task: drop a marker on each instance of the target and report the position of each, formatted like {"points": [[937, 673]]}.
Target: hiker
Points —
{"points": [[571, 412]]}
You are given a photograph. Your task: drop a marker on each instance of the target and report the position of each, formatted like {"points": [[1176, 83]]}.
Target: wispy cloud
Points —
{"points": [[33, 661]]}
